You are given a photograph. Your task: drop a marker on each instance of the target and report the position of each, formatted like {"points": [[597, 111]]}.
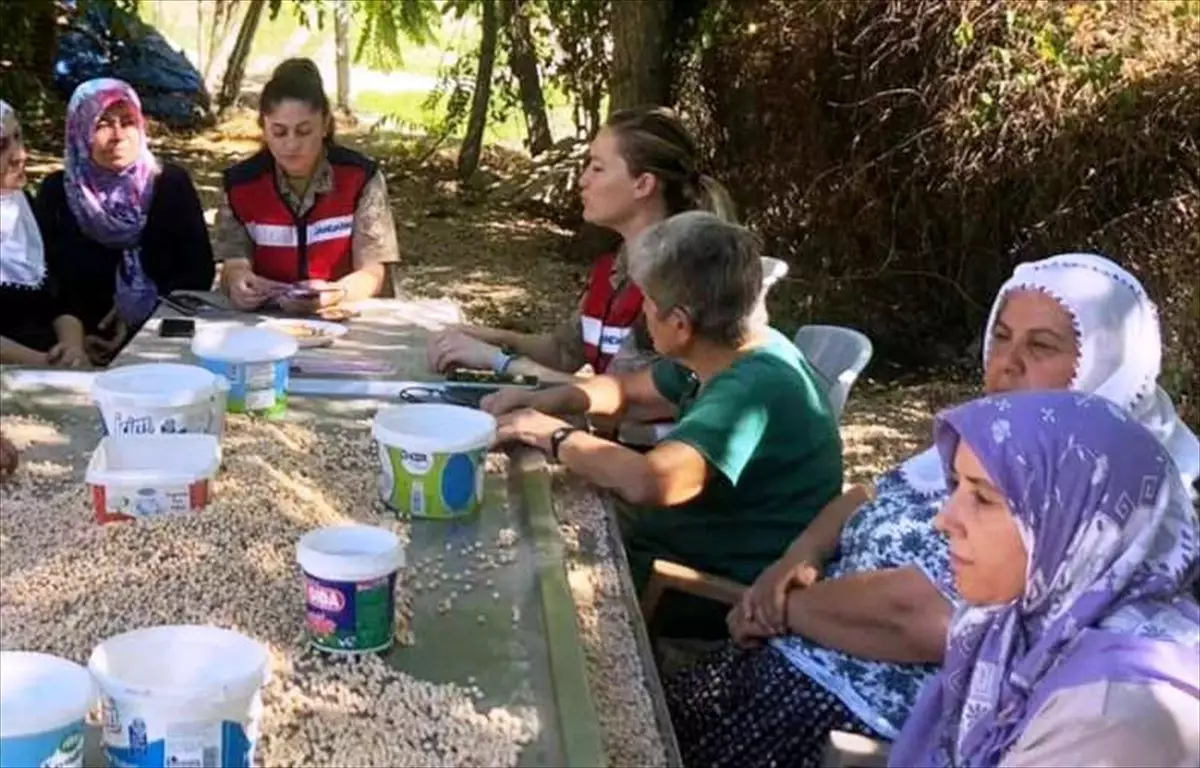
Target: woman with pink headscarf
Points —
{"points": [[121, 228]]}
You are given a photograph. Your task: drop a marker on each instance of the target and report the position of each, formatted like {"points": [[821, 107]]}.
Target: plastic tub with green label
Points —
{"points": [[433, 458]]}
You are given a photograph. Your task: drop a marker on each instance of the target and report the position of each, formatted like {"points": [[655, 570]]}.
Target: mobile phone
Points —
{"points": [[189, 304], [177, 328], [464, 377]]}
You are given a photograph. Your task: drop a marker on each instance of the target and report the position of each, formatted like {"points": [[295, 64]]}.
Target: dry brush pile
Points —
{"points": [[903, 156]]}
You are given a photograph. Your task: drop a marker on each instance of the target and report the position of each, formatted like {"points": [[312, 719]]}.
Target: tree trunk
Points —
{"points": [[231, 82], [224, 13], [472, 146], [640, 67], [522, 60], [341, 37]]}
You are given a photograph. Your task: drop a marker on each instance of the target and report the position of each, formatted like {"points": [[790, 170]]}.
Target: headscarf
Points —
{"points": [[1120, 352], [1112, 543], [111, 207], [22, 253]]}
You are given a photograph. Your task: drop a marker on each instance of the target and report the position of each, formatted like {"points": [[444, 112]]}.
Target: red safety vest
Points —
{"points": [[607, 314], [288, 248]]}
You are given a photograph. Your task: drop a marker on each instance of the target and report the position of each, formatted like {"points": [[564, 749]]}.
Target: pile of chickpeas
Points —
{"points": [[67, 583]]}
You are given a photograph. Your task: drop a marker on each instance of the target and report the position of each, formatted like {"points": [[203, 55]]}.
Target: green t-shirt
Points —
{"points": [[775, 458]]}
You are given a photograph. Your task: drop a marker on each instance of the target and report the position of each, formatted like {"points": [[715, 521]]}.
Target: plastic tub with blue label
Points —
{"points": [[433, 458], [181, 695], [43, 703], [254, 361]]}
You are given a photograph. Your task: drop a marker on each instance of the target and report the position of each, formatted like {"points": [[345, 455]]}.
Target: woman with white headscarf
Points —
{"points": [[855, 614], [33, 328]]}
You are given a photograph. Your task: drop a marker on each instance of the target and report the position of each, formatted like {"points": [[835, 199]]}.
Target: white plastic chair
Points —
{"points": [[839, 355]]}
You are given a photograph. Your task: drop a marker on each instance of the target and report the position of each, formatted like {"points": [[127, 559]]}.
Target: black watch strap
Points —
{"points": [[557, 437]]}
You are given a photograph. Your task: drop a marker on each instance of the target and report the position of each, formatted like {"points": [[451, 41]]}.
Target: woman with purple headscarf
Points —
{"points": [[121, 228], [1074, 546], [854, 616]]}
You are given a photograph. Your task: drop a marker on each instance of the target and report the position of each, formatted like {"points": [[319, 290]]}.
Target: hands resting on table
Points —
{"points": [[461, 345]]}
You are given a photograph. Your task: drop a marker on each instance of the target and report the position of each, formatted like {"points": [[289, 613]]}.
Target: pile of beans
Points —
{"points": [[67, 583]]}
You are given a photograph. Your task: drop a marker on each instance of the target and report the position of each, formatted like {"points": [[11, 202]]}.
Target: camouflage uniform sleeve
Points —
{"points": [[636, 352], [230, 240], [374, 239], [568, 340]]}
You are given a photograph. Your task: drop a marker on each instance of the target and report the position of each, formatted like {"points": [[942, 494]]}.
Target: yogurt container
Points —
{"points": [[181, 695], [43, 703], [160, 398], [433, 458], [350, 587], [254, 361], [131, 478]]}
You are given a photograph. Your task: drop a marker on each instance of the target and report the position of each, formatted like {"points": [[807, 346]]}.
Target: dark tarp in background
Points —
{"points": [[106, 41]]}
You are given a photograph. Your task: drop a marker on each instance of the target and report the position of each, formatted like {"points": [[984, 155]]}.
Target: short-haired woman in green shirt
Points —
{"points": [[756, 451]]}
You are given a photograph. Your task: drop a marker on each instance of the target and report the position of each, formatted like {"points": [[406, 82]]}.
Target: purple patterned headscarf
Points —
{"points": [[111, 207], [1112, 542]]}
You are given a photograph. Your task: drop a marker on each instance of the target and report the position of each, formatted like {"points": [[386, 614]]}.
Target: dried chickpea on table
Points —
{"points": [[233, 565]]}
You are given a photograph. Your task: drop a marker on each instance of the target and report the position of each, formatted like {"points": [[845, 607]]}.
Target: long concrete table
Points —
{"points": [[538, 660], [385, 332]]}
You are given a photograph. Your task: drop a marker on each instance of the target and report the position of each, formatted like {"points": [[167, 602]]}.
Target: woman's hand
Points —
{"points": [[455, 346], [529, 427], [248, 291], [745, 630], [766, 600], [9, 458], [506, 401], [68, 355], [309, 297], [101, 349]]}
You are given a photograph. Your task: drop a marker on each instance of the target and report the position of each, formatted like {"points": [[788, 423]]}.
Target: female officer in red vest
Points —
{"points": [[641, 169], [305, 222]]}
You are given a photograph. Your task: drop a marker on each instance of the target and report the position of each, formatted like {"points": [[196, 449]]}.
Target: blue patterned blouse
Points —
{"points": [[893, 530]]}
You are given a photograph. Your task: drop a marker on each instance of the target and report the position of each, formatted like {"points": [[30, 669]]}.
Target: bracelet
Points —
{"points": [[501, 360], [557, 437]]}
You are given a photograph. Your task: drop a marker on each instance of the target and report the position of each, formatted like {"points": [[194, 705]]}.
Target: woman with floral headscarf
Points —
{"points": [[34, 329], [1074, 545], [121, 228], [854, 615]]}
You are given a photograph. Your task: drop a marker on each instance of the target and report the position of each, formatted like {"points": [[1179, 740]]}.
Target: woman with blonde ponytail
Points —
{"points": [[642, 168]]}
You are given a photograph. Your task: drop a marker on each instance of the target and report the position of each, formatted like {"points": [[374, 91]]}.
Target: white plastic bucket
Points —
{"points": [[255, 362], [160, 398], [43, 703], [147, 476], [181, 695], [433, 458], [350, 587]]}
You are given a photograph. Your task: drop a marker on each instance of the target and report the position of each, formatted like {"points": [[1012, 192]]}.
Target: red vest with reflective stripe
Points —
{"points": [[607, 314], [288, 248]]}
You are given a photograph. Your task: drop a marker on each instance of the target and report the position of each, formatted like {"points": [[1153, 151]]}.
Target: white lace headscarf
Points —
{"points": [[1120, 352], [22, 253]]}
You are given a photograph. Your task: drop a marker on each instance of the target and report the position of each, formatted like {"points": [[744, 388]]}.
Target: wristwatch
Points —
{"points": [[556, 440]]}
